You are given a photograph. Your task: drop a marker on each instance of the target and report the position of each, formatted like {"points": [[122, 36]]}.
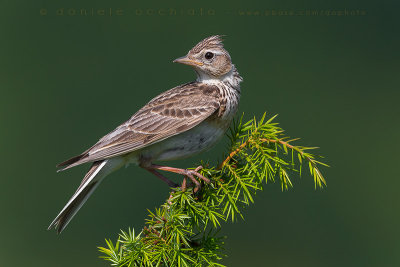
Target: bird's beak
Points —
{"points": [[185, 60]]}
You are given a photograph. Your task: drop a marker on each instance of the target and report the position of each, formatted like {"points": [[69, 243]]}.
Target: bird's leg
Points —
{"points": [[181, 171], [162, 177], [188, 173]]}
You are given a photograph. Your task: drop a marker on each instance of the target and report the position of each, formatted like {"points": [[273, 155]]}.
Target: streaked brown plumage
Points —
{"points": [[178, 123]]}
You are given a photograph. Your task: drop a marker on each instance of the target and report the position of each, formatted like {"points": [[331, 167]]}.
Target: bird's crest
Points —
{"points": [[214, 41]]}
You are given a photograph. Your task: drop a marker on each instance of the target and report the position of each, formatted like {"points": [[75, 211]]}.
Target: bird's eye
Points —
{"points": [[209, 55]]}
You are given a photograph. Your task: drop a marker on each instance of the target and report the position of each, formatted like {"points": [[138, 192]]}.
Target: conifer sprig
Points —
{"points": [[184, 230]]}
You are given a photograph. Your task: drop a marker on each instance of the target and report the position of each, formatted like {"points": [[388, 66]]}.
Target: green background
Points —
{"points": [[66, 80]]}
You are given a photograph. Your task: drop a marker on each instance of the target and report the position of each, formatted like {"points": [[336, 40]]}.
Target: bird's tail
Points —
{"points": [[98, 171]]}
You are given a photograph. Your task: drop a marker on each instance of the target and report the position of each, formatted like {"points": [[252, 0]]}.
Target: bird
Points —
{"points": [[178, 123]]}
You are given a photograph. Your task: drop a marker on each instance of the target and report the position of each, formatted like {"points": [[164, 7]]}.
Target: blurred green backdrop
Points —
{"points": [[66, 79]]}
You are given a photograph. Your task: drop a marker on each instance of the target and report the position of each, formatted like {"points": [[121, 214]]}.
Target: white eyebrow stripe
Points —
{"points": [[216, 52]]}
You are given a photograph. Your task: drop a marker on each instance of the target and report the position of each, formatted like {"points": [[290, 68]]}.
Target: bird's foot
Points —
{"points": [[191, 174]]}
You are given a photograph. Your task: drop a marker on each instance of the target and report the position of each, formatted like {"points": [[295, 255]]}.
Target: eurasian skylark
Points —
{"points": [[178, 123]]}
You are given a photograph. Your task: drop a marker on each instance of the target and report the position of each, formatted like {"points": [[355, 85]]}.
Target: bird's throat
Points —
{"points": [[231, 79]]}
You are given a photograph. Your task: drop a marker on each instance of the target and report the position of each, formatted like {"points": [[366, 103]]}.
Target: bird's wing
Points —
{"points": [[172, 112]]}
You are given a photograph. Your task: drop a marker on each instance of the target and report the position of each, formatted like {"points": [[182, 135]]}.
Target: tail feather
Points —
{"points": [[92, 179], [62, 220], [72, 162]]}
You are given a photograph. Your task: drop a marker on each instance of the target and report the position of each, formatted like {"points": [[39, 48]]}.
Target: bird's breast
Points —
{"points": [[229, 104]]}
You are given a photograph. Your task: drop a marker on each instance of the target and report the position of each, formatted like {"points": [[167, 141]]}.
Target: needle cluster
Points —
{"points": [[184, 231]]}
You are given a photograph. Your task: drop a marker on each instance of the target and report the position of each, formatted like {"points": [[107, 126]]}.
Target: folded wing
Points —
{"points": [[171, 113]]}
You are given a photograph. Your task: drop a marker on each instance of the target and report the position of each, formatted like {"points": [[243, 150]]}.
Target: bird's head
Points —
{"points": [[208, 58]]}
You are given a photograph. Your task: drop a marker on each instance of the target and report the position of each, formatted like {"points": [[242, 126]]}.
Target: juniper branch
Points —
{"points": [[184, 230]]}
